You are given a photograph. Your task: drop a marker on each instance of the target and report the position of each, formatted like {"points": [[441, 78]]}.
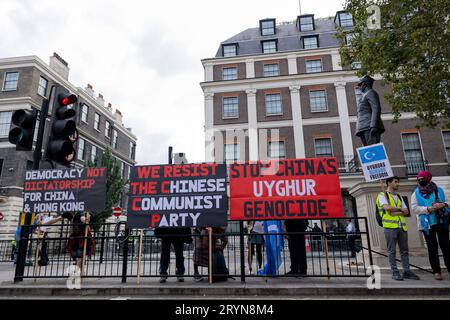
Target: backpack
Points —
{"points": [[219, 267]]}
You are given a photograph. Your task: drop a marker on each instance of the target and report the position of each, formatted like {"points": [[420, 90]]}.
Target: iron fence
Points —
{"points": [[116, 253]]}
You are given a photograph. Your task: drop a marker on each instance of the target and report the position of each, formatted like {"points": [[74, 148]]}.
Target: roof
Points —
{"points": [[287, 35]]}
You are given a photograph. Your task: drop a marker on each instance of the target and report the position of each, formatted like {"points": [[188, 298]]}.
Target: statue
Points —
{"points": [[369, 126]]}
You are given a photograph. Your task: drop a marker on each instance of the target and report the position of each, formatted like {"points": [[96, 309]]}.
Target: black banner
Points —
{"points": [[62, 190], [188, 195]]}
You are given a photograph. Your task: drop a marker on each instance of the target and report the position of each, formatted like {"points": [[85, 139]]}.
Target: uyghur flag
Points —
{"points": [[274, 245]]}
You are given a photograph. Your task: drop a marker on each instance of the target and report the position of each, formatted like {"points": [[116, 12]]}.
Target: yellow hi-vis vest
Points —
{"points": [[391, 222]]}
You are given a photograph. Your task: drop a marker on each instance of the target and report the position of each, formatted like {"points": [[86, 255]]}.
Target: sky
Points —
{"points": [[144, 56]]}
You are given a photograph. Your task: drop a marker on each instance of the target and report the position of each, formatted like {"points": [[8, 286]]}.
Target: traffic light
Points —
{"points": [[64, 134], [21, 132]]}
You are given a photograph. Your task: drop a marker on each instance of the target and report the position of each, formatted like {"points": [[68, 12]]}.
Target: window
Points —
{"points": [[310, 42], [271, 70], [93, 153], [97, 121], [36, 128], [122, 168], [318, 101], [11, 80], [42, 89], [413, 153], [349, 37], [306, 23], [267, 27], [229, 50], [231, 153], [358, 94], [273, 104], [80, 151], [114, 142], [276, 150], [84, 113], [323, 147], [230, 107], [446, 137], [269, 46], [107, 129], [313, 66], [5, 123], [345, 19], [229, 73], [131, 152], [1, 167]]}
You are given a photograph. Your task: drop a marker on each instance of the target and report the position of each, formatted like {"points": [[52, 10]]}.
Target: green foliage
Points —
{"points": [[115, 185], [411, 51]]}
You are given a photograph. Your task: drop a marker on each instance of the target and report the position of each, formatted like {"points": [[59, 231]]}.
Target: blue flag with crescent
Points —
{"points": [[274, 245], [372, 153]]}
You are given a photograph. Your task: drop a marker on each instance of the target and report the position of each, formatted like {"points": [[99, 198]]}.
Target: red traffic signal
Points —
{"points": [[66, 100]]}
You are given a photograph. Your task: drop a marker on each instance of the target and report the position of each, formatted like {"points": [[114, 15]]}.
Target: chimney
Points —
{"points": [[100, 100], [59, 65], [89, 90], [109, 107], [118, 116]]}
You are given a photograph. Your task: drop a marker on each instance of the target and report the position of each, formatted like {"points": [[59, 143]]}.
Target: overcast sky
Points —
{"points": [[143, 56]]}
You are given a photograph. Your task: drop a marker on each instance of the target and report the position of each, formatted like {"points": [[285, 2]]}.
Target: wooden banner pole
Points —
{"points": [[83, 261], [141, 235], [324, 230], [210, 255]]}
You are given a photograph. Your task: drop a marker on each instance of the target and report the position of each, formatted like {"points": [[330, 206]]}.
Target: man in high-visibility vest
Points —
{"points": [[393, 211]]}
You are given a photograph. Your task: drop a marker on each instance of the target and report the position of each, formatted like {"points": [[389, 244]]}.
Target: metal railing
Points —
{"points": [[115, 253]]}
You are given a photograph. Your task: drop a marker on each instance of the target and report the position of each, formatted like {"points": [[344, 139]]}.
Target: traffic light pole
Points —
{"points": [[25, 230]]}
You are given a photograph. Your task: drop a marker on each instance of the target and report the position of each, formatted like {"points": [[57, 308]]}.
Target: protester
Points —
{"points": [[75, 244], [297, 249], [393, 210], [273, 240], [428, 203], [351, 236], [42, 232], [175, 237], [317, 239], [201, 253], [13, 248], [256, 242]]}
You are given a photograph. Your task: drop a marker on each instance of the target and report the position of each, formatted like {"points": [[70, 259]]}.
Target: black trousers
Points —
{"points": [[438, 233], [178, 245], [297, 251], [368, 139]]}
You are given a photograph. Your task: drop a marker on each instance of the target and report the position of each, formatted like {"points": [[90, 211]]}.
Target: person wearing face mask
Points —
{"points": [[369, 126], [428, 203]]}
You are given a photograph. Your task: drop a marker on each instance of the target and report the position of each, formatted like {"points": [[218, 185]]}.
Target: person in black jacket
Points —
{"points": [[297, 249], [176, 237]]}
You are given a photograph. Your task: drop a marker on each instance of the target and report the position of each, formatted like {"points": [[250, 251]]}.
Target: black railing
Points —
{"points": [[116, 254], [348, 164]]}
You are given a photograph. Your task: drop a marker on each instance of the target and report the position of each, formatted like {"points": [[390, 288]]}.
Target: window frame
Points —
{"points": [[421, 149], [229, 45], [108, 127], [83, 105], [310, 37], [99, 120], [229, 68], [39, 86], [269, 155], [299, 21], [281, 103], [306, 65], [263, 42], [6, 124], [340, 20], [78, 149], [274, 27], [326, 101], [447, 154], [271, 64], [115, 138], [96, 149], [223, 107], [5, 80], [331, 146], [236, 151]]}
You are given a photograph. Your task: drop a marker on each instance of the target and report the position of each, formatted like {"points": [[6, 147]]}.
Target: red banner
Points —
{"points": [[286, 189]]}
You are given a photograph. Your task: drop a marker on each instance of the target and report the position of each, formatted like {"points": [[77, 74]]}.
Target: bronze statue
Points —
{"points": [[369, 126]]}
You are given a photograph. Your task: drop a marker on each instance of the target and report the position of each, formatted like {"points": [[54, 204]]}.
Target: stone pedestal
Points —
{"points": [[365, 195]]}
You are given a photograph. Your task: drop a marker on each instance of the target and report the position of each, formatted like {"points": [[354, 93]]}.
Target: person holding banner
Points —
{"points": [[297, 249], [428, 203], [75, 244], [273, 239], [393, 210], [201, 253]]}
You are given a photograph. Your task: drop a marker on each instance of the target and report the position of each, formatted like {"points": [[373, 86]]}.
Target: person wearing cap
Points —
{"points": [[369, 126], [393, 210], [428, 203]]}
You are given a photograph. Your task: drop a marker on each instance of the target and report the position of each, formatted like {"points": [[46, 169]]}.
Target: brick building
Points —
{"points": [[25, 81], [289, 77]]}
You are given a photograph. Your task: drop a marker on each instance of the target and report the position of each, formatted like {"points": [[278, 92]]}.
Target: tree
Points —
{"points": [[410, 50], [115, 185]]}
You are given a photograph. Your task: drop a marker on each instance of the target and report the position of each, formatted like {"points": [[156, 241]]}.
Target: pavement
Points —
{"points": [[253, 288]]}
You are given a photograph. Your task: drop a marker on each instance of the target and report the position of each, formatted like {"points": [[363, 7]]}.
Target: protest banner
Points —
{"points": [[185, 195], [62, 190], [374, 162], [285, 189]]}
